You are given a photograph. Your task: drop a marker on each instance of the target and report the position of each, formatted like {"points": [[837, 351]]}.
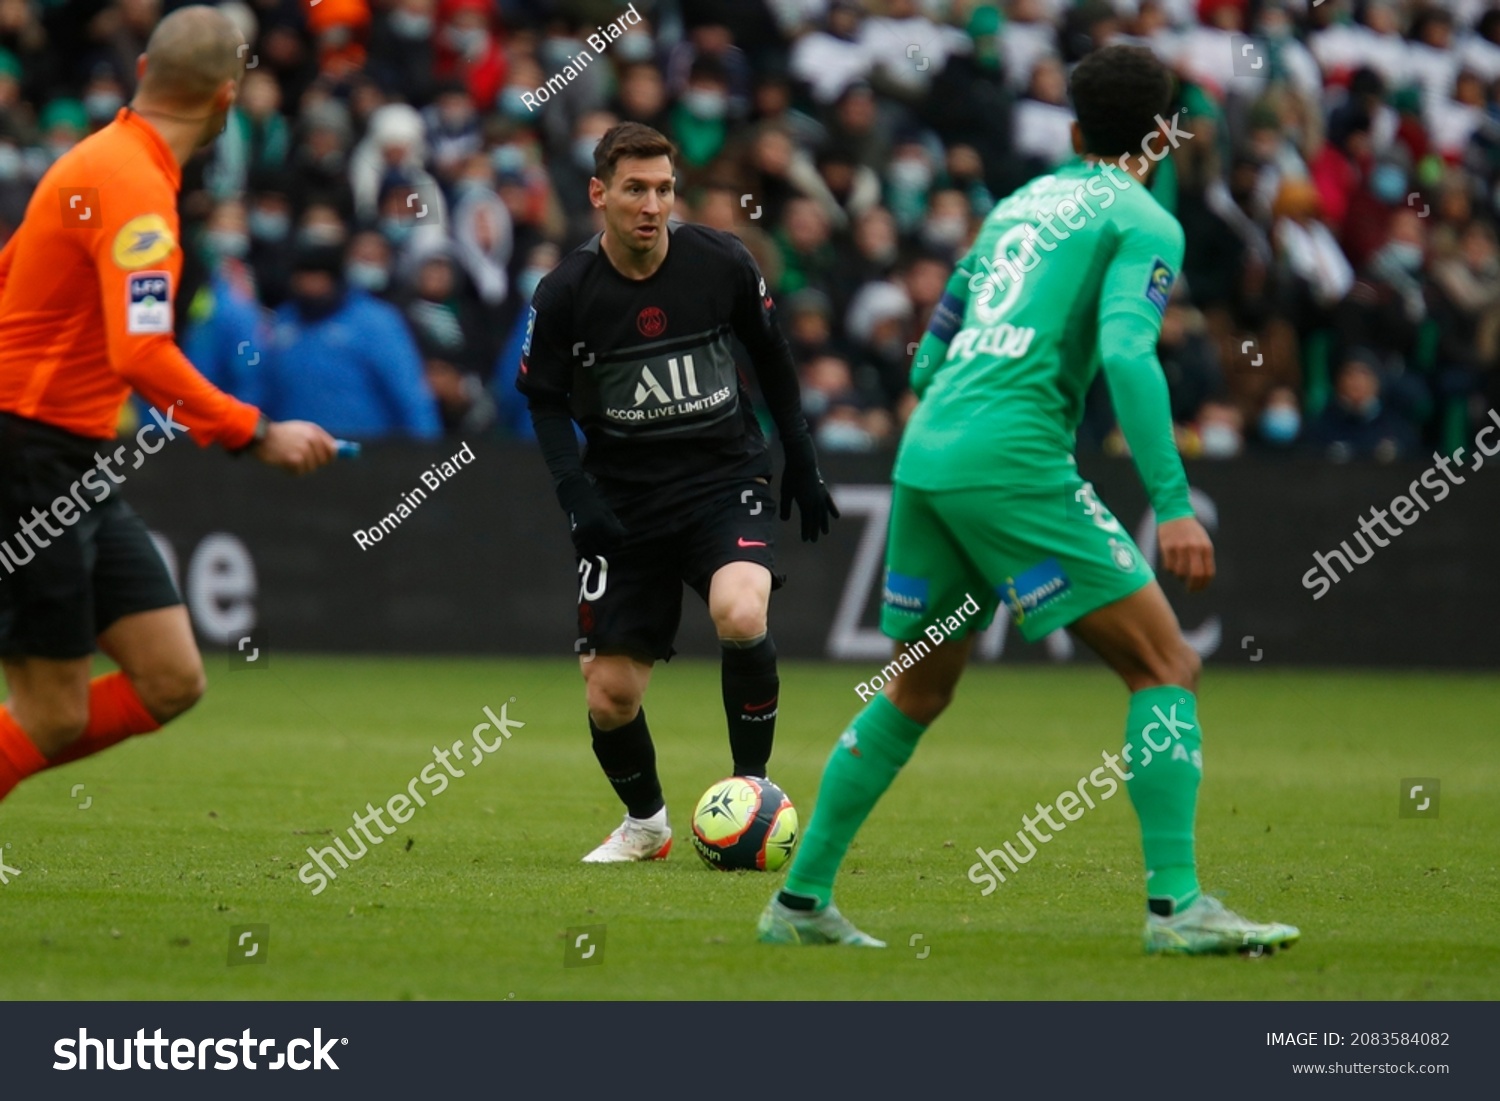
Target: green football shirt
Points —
{"points": [[1070, 273]]}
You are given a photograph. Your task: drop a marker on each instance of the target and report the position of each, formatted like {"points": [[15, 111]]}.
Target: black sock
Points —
{"points": [[796, 902], [629, 760], [751, 693]]}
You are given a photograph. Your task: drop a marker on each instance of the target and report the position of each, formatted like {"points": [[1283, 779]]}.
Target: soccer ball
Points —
{"points": [[745, 825]]}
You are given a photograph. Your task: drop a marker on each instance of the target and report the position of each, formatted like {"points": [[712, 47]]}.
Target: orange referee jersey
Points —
{"points": [[86, 286]]}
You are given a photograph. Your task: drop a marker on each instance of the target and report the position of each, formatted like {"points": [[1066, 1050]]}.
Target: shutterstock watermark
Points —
{"points": [[1075, 801], [70, 507], [1051, 200], [1323, 577], [399, 806]]}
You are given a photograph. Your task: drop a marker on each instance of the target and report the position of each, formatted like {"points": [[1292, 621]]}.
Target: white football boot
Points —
{"points": [[635, 839]]}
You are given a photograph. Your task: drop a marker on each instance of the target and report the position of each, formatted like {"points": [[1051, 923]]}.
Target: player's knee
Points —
{"points": [[612, 702], [167, 693], [743, 617]]}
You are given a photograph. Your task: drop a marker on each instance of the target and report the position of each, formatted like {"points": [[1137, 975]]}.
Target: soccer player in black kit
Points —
{"points": [[630, 337]]}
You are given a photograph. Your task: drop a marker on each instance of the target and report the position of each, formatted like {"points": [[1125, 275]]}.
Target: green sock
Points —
{"points": [[863, 763], [1164, 755]]}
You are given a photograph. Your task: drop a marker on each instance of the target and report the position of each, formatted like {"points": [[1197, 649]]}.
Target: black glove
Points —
{"points": [[595, 529], [801, 482]]}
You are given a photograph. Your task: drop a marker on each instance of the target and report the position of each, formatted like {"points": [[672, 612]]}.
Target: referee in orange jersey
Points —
{"points": [[86, 286]]}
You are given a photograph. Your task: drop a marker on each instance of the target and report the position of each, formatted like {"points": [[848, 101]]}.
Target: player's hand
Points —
{"points": [[801, 482], [594, 528], [1186, 552], [298, 447]]}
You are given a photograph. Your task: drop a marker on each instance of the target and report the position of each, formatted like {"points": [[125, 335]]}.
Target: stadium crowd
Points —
{"points": [[398, 175]]}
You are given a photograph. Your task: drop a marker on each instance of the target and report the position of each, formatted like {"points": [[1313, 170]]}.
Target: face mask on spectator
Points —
{"points": [[814, 403], [512, 106], [945, 232], [411, 25], [635, 47], [705, 104], [320, 234], [395, 230], [910, 175], [102, 105], [468, 41], [1406, 255], [10, 162], [227, 242], [1219, 441], [583, 153], [528, 281], [559, 51], [1280, 424], [367, 276], [843, 435], [269, 225], [1388, 182]]}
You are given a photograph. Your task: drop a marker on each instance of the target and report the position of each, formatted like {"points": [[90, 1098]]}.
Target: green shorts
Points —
{"points": [[1051, 556]]}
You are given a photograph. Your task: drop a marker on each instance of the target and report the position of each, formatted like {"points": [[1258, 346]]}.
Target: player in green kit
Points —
{"points": [[1069, 274]]}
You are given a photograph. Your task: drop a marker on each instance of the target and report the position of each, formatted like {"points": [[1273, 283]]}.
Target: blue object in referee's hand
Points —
{"points": [[347, 449]]}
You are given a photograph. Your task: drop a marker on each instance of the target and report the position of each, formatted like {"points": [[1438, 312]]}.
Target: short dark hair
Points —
{"points": [[630, 139], [1118, 92]]}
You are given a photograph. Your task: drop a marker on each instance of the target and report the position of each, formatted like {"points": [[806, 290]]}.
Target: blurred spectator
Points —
{"points": [[255, 138], [879, 325], [1188, 360], [269, 223], [1356, 424], [572, 169], [832, 58], [467, 49], [1043, 121], [807, 253], [482, 232], [1220, 432], [840, 419], [344, 359], [456, 345], [402, 57], [642, 97], [907, 49], [452, 127], [699, 119], [223, 334], [1279, 427], [1338, 199], [369, 263], [709, 48], [394, 147], [512, 416]]}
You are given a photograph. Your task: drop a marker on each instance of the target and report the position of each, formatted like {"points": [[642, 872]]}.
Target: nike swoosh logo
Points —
{"points": [[761, 706], [749, 542]]}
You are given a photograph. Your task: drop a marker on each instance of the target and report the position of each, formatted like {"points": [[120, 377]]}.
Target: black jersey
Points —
{"points": [[646, 367]]}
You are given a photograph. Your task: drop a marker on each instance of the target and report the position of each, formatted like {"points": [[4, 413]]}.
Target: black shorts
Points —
{"points": [[63, 582], [630, 602]]}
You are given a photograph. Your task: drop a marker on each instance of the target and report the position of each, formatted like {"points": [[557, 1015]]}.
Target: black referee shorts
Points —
{"points": [[82, 560], [630, 602]]}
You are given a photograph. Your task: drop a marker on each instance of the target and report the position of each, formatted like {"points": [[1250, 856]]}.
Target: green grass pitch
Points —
{"points": [[204, 826]]}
